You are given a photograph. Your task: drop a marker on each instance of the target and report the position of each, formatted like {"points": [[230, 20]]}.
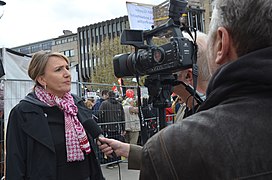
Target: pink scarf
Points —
{"points": [[76, 138]]}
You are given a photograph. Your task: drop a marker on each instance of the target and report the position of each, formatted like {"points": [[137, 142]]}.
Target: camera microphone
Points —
{"points": [[95, 131]]}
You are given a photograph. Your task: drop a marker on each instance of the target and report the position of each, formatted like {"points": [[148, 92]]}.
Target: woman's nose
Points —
{"points": [[67, 73]]}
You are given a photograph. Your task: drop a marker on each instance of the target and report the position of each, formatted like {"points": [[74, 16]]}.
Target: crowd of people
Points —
{"points": [[227, 138]]}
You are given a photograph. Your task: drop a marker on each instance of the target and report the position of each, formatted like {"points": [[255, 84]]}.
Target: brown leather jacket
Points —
{"points": [[230, 138]]}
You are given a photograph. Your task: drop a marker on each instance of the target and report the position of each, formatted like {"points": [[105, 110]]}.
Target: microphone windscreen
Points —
{"points": [[92, 128]]}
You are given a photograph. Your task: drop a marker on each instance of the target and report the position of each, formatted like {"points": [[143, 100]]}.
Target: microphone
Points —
{"points": [[95, 131]]}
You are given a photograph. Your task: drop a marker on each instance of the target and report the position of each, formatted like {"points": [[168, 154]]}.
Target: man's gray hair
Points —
{"points": [[202, 62], [249, 23]]}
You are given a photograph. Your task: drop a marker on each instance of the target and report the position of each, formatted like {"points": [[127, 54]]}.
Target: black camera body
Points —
{"points": [[149, 59], [159, 63]]}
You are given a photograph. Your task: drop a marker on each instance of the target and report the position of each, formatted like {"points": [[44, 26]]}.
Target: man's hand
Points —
{"points": [[107, 146]]}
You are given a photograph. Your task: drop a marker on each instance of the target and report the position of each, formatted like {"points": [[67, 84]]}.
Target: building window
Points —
{"points": [[118, 27], [35, 48], [88, 33], [105, 29], [100, 30], [109, 28], [96, 32], [123, 26], [63, 41], [66, 53], [93, 33], [70, 39], [114, 27], [80, 35], [46, 46], [25, 50], [69, 53], [81, 50], [58, 42], [72, 52]]}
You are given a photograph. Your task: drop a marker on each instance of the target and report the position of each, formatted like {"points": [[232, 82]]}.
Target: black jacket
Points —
{"points": [[112, 111], [230, 138], [33, 155]]}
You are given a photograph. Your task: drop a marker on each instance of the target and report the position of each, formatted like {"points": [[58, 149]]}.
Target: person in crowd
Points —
{"points": [[176, 102], [133, 152], [95, 108], [178, 107], [45, 137], [169, 115], [230, 135], [150, 115], [132, 125], [113, 118], [186, 76], [90, 102]]}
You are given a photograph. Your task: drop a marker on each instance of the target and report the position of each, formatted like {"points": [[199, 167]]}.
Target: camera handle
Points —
{"points": [[160, 88]]}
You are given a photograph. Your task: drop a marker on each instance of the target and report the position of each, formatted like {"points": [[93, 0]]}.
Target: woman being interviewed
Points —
{"points": [[45, 136]]}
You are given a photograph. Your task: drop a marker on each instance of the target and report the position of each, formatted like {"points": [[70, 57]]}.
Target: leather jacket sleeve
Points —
{"points": [[147, 172], [135, 156]]}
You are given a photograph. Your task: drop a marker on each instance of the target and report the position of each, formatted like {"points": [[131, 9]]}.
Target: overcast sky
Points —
{"points": [[27, 21]]}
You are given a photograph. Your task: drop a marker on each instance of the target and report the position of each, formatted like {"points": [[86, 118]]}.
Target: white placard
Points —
{"points": [[140, 16]]}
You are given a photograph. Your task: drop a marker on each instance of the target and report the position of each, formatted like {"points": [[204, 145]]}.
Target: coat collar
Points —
{"points": [[250, 74], [36, 125]]}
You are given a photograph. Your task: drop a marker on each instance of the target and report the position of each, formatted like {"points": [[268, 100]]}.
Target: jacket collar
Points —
{"points": [[32, 98], [36, 126], [248, 74]]}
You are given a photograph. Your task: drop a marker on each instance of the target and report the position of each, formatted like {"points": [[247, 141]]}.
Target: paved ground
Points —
{"points": [[113, 174]]}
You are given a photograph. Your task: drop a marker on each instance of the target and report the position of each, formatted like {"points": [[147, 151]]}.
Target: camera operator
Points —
{"points": [[133, 152], [186, 76], [230, 136]]}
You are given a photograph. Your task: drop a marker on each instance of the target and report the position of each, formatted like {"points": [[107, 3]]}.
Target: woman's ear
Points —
{"points": [[41, 81]]}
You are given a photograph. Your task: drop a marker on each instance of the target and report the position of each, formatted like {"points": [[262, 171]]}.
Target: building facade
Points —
{"points": [[78, 47], [66, 44], [31, 48], [90, 37], [207, 5]]}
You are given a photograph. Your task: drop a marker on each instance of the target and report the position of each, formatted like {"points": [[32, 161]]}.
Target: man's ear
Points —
{"points": [[189, 75], [224, 47]]}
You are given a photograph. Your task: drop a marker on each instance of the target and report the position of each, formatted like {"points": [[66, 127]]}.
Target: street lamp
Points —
{"points": [[2, 4]]}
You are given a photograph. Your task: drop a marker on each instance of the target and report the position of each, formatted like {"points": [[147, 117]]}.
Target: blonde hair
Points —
{"points": [[38, 63]]}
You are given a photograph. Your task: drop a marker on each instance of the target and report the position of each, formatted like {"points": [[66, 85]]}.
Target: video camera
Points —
{"points": [[159, 63], [148, 58]]}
